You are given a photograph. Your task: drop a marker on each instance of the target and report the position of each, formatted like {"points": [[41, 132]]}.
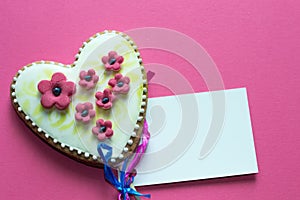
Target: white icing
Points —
{"points": [[55, 140], [133, 134], [86, 58], [130, 142]]}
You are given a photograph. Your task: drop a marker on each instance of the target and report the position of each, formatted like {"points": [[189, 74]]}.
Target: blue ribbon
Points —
{"points": [[123, 186]]}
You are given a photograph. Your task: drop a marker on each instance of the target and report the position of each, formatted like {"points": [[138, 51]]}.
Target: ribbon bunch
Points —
{"points": [[123, 184]]}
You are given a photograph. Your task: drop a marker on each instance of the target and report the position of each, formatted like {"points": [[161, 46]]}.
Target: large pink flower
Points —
{"points": [[56, 92], [120, 84], [84, 112], [105, 99], [88, 79], [112, 61], [103, 129]]}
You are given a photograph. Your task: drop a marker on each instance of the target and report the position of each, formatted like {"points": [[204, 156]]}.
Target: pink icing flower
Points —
{"points": [[88, 79], [103, 129], [56, 92], [120, 84], [112, 61], [84, 112], [105, 99]]}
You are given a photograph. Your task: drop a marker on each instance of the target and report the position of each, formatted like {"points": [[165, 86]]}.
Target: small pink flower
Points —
{"points": [[84, 112], [88, 79], [105, 99], [120, 84], [112, 61], [56, 92], [103, 129]]}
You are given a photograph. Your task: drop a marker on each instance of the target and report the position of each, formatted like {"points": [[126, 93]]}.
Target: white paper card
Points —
{"points": [[198, 136]]}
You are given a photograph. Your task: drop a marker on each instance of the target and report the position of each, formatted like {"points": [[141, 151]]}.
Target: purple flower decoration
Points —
{"points": [[112, 61], [88, 79], [103, 129], [119, 84], [105, 99], [84, 112]]}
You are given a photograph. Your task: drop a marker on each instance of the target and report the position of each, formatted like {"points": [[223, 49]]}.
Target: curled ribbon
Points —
{"points": [[123, 184]]}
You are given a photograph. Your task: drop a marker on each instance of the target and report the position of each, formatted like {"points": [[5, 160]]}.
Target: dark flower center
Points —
{"points": [[105, 100], [56, 91], [88, 78], [102, 129], [120, 84], [84, 113], [112, 61]]}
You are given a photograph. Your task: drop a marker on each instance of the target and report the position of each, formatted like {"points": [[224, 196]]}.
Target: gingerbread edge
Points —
{"points": [[71, 152]]}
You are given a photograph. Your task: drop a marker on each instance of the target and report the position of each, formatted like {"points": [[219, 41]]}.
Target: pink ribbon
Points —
{"points": [[140, 150]]}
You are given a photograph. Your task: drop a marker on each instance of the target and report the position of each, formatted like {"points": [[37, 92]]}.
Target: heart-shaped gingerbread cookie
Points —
{"points": [[101, 97]]}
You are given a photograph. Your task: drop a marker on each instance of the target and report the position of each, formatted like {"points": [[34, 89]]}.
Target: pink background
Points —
{"points": [[255, 44]]}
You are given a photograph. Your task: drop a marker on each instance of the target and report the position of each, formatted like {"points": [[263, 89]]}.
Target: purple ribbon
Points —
{"points": [[140, 150]]}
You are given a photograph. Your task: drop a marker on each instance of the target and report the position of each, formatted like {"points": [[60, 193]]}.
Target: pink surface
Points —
{"points": [[255, 45]]}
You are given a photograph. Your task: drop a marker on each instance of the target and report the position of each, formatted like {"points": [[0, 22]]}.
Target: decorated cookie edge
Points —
{"points": [[72, 152]]}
